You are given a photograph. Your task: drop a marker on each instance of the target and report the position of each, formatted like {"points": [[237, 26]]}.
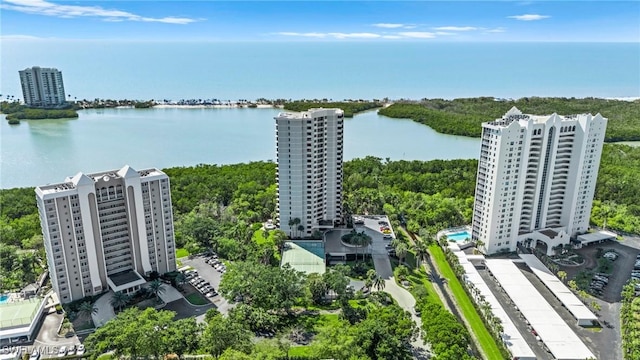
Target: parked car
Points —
{"points": [[62, 351], [72, 350], [35, 355], [610, 255], [80, 350]]}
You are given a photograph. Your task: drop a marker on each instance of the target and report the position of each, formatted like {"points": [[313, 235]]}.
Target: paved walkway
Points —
{"points": [[105, 310], [404, 299]]}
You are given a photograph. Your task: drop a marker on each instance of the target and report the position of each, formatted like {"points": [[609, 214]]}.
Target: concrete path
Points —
{"points": [[404, 299], [105, 310]]}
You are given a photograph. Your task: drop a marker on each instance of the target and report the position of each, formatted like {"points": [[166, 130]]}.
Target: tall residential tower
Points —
{"points": [[104, 231], [309, 156], [536, 179], [42, 87]]}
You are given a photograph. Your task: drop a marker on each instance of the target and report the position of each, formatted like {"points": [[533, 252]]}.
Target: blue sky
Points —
{"points": [[144, 20]]}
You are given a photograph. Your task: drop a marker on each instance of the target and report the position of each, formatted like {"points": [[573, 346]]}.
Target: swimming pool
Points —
{"points": [[4, 298], [462, 236]]}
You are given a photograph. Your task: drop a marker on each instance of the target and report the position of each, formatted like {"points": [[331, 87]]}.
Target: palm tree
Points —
{"points": [[378, 282], [420, 248], [365, 241], [296, 222], [180, 279], [444, 240], [292, 223], [119, 300], [300, 229], [156, 288], [401, 251], [279, 238], [87, 309]]}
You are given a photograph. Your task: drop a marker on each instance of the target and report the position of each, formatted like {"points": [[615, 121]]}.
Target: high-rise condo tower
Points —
{"points": [[536, 179], [42, 87], [105, 230], [309, 155]]}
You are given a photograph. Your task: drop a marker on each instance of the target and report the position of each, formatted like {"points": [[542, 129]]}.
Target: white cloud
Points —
{"points": [[456, 28], [529, 17], [355, 35], [417, 34], [43, 7], [19, 37], [389, 25], [309, 34], [496, 30], [445, 33], [335, 35], [391, 37]]}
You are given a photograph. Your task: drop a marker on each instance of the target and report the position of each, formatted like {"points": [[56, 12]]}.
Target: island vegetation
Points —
{"points": [[350, 107], [464, 116], [16, 112], [630, 321]]}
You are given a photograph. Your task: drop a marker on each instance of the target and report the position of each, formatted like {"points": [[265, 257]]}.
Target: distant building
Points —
{"points": [[105, 230], [309, 156], [42, 87], [536, 179]]}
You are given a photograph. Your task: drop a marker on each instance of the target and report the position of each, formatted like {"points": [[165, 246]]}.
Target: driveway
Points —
{"points": [[105, 310], [48, 341], [404, 299]]}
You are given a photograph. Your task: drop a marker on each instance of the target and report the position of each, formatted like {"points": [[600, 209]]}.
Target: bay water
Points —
{"points": [[38, 152]]}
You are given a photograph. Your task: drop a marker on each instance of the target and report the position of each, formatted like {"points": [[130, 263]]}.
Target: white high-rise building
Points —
{"points": [[309, 156], [536, 179], [104, 231], [42, 87]]}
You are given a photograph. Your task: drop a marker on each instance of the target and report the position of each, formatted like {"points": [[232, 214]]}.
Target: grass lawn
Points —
{"points": [[196, 299], [330, 306], [313, 323], [419, 278], [465, 304], [181, 252], [300, 351]]}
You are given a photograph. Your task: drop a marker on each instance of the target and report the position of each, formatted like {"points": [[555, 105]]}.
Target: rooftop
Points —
{"points": [[18, 313], [305, 256], [551, 234], [80, 178], [596, 236], [516, 115], [306, 114], [560, 339], [125, 277], [566, 297]]}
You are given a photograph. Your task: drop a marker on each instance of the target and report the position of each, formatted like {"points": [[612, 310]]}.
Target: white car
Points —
{"points": [[35, 355], [80, 350], [62, 352]]}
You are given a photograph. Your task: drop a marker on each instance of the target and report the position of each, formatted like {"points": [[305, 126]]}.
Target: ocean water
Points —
{"points": [[332, 70]]}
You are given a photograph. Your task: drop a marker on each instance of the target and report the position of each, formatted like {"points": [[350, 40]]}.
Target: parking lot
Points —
{"points": [[210, 275], [621, 271]]}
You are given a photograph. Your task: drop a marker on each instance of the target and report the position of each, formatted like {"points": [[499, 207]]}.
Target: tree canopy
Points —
{"points": [[464, 116]]}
